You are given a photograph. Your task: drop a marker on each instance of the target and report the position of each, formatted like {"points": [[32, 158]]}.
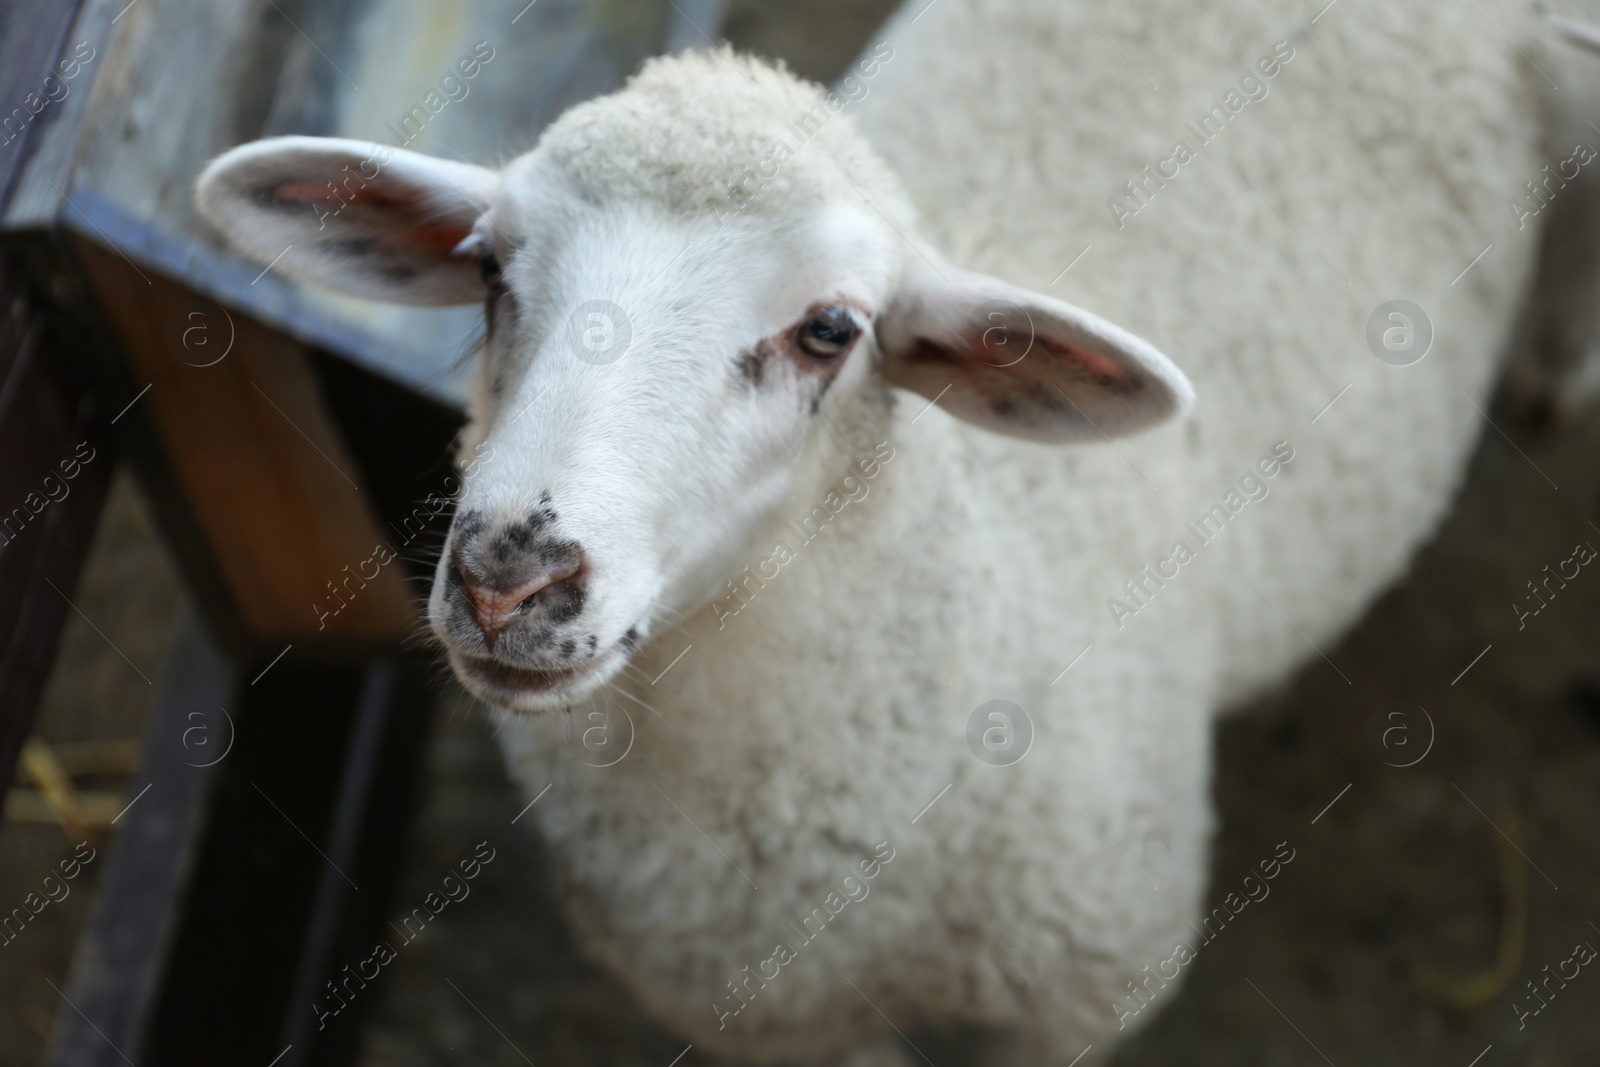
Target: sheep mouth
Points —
{"points": [[522, 679], [517, 688]]}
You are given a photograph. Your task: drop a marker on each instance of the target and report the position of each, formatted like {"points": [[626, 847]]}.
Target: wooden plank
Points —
{"points": [[318, 789], [117, 965], [131, 149], [375, 806], [41, 407], [258, 461], [47, 427], [333, 895], [224, 278], [32, 33], [34, 200]]}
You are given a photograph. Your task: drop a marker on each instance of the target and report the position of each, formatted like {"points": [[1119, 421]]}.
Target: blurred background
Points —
{"points": [[172, 718]]}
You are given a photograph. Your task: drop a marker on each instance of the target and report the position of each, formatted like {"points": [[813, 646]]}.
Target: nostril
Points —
{"points": [[496, 599], [536, 581]]}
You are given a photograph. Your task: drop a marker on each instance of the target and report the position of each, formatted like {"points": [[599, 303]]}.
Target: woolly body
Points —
{"points": [[816, 723], [817, 715]]}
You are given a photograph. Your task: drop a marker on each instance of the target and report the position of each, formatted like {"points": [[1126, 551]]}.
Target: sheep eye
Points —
{"points": [[827, 334], [489, 270]]}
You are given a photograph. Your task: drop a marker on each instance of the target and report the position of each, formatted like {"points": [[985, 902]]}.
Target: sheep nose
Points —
{"points": [[495, 602]]}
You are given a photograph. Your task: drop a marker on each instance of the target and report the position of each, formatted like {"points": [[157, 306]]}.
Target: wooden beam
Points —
{"points": [[311, 803], [258, 460], [47, 520], [118, 963], [32, 36]]}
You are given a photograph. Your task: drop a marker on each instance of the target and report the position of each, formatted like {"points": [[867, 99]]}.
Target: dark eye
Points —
{"points": [[489, 270], [827, 333]]}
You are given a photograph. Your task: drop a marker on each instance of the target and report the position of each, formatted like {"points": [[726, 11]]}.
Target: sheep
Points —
{"points": [[863, 704]]}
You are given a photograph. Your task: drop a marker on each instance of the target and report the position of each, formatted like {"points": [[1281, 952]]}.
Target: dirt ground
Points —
{"points": [[1420, 899]]}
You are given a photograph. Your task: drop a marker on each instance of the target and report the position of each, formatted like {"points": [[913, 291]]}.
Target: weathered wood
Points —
{"points": [[318, 787], [48, 427], [375, 805], [236, 773], [333, 895], [248, 900], [117, 966], [43, 409], [31, 36], [259, 462], [274, 470], [405, 443], [131, 150]]}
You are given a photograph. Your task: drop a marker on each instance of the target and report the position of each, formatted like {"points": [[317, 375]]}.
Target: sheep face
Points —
{"points": [[674, 352], [652, 390]]}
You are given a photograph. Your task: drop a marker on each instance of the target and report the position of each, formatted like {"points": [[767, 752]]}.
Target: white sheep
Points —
{"points": [[774, 592]]}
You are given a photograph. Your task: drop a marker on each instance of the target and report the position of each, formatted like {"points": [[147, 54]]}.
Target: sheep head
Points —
{"points": [[700, 293]]}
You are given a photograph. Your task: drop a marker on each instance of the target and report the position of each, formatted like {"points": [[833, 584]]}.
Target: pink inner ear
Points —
{"points": [[440, 237], [1086, 358], [437, 236], [1002, 352], [332, 192]]}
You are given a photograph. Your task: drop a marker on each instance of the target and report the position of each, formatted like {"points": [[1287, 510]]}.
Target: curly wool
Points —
{"points": [[660, 140]]}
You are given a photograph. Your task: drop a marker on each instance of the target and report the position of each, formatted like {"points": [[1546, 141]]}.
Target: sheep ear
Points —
{"points": [[359, 217], [1024, 364]]}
